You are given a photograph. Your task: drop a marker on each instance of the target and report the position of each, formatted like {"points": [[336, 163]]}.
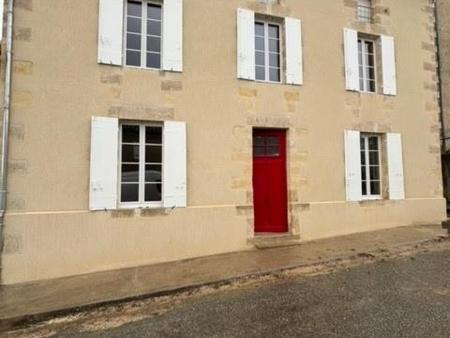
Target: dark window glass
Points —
{"points": [[153, 154], [153, 28], [274, 60], [363, 157], [130, 173], [375, 173], [130, 134], [371, 86], [363, 173], [272, 151], [363, 143], [154, 12], [134, 25], [153, 60], [134, 41], [259, 151], [260, 73], [369, 47], [153, 135], [373, 143], [273, 31], [153, 173], [364, 188], [259, 29], [274, 46], [133, 58], [130, 153], [153, 44], [134, 8], [274, 74], [260, 58], [373, 158], [258, 141], [153, 192], [129, 193], [375, 188], [259, 43]]}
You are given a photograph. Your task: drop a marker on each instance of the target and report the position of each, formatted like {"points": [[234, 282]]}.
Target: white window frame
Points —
{"points": [[365, 66], [141, 203], [266, 51], [143, 34], [365, 5], [369, 195]]}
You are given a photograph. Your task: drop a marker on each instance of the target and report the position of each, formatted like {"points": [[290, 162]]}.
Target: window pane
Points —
{"points": [[134, 8], [274, 74], [154, 12], [369, 47], [273, 31], [371, 72], [273, 151], [364, 188], [274, 46], [130, 134], [375, 188], [130, 153], [272, 141], [153, 192], [153, 60], [258, 141], [363, 173], [371, 86], [259, 44], [360, 46], [133, 58], [129, 193], [373, 158], [274, 60], [260, 58], [153, 173], [375, 173], [259, 29], [134, 41], [259, 151], [260, 73], [153, 135], [153, 44], [134, 25], [363, 143], [373, 143], [130, 173], [154, 28], [363, 157], [153, 154]]}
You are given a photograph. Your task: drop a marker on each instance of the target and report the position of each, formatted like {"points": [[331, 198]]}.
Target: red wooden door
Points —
{"points": [[270, 180]]}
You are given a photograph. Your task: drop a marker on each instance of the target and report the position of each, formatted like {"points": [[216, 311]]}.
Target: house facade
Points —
{"points": [[153, 131], [443, 30]]}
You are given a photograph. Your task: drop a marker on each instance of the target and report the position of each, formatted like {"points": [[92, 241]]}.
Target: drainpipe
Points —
{"points": [[441, 90], [6, 112]]}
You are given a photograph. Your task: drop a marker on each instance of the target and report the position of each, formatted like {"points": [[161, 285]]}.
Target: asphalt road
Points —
{"points": [[407, 297]]}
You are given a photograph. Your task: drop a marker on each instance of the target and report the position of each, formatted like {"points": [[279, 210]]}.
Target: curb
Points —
{"points": [[9, 324]]}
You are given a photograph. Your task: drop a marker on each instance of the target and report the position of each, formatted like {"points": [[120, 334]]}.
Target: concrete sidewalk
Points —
{"points": [[40, 300]]}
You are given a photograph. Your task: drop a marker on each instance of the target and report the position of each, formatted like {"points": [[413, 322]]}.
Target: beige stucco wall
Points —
{"points": [[58, 86], [443, 15]]}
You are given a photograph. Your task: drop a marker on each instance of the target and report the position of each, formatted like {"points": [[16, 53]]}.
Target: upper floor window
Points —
{"points": [[366, 56], [143, 34], [365, 10], [267, 52]]}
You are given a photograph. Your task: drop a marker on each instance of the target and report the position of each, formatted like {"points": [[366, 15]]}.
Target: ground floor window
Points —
{"points": [[141, 165], [370, 166]]}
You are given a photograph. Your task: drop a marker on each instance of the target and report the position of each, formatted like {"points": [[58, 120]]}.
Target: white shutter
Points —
{"points": [[351, 59], [388, 65], [2, 3], [104, 158], [174, 170], [353, 165], [172, 46], [110, 32], [395, 167], [246, 44], [294, 57]]}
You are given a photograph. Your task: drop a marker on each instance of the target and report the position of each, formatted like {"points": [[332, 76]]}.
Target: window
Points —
{"points": [[370, 166], [267, 52], [143, 34], [366, 55], [365, 10], [266, 146], [140, 164]]}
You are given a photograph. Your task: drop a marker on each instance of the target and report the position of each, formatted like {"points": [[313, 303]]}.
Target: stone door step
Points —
{"points": [[268, 241]]}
